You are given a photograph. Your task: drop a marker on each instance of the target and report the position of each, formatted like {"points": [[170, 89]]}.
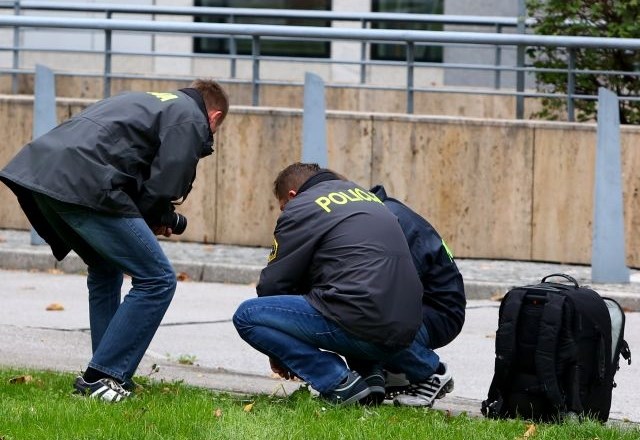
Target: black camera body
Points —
{"points": [[175, 221]]}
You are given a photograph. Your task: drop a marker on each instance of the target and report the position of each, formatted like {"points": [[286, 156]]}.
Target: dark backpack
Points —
{"points": [[557, 351]]}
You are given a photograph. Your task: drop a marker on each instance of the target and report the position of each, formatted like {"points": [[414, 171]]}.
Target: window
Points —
{"points": [[286, 48], [398, 51]]}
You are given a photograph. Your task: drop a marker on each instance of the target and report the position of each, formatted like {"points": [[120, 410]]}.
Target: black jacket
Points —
{"points": [[129, 155], [338, 245], [444, 299]]}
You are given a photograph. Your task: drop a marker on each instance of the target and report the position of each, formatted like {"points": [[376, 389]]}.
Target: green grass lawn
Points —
{"points": [[42, 407]]}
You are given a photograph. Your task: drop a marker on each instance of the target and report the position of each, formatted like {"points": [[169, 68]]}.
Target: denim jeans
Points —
{"points": [[288, 329], [121, 331]]}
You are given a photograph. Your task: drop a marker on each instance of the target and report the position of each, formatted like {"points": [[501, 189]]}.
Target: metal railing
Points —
{"points": [[258, 33], [366, 20]]}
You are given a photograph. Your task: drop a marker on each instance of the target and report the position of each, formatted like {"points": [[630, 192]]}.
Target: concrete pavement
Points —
{"points": [[198, 328]]}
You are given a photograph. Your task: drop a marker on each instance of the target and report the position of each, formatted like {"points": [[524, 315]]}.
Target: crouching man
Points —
{"points": [[340, 282], [443, 303]]}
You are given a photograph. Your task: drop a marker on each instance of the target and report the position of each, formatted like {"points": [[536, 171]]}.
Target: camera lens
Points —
{"points": [[175, 221], [180, 224]]}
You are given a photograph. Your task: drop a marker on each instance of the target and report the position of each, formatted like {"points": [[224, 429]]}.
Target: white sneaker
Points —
{"points": [[425, 393]]}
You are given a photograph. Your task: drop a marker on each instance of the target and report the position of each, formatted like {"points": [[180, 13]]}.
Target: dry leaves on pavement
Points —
{"points": [[55, 307]]}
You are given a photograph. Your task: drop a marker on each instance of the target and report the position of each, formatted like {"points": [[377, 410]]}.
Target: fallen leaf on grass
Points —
{"points": [[55, 307], [218, 412], [529, 433], [248, 407], [21, 379]]}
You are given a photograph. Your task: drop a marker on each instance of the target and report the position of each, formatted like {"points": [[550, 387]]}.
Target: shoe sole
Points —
{"points": [[375, 397], [446, 389], [356, 397]]}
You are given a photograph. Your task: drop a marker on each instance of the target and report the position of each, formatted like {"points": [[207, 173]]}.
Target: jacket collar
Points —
{"points": [[320, 176], [380, 192], [197, 97]]}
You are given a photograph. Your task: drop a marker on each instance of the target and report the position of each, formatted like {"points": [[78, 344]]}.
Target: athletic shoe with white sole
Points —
{"points": [[106, 389], [425, 393], [352, 390]]}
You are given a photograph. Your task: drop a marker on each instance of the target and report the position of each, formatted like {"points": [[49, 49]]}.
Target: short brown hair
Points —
{"points": [[292, 177], [213, 94]]}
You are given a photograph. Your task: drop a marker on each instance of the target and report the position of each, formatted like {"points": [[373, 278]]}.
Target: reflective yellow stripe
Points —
{"points": [[446, 248]]}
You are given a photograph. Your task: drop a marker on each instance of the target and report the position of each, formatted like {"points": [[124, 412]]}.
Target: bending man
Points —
{"points": [[104, 183]]}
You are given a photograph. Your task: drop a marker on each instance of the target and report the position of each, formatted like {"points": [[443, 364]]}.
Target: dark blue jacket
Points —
{"points": [[337, 244], [443, 299]]}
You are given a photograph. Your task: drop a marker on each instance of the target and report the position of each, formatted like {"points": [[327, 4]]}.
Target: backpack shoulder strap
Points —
{"points": [[551, 323], [505, 348], [507, 329]]}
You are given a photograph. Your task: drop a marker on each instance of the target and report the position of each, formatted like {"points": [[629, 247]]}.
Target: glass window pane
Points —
{"points": [[398, 51], [291, 48]]}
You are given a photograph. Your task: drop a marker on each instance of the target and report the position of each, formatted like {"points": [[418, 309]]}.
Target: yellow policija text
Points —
{"points": [[344, 197]]}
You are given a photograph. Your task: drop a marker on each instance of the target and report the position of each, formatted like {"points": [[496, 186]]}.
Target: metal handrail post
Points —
{"points": [[363, 56], [571, 85], [233, 50], [255, 77], [16, 50], [520, 82], [106, 92], [522, 11], [411, 55], [497, 74]]}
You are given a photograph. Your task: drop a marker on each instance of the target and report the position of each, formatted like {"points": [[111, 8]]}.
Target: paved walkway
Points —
{"points": [[198, 324], [484, 279]]}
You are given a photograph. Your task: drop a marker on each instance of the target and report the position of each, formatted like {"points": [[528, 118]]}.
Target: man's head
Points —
{"points": [[215, 99], [289, 180]]}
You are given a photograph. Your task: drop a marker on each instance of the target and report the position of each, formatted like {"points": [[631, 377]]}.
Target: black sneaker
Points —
{"points": [[375, 381], [352, 390], [106, 389]]}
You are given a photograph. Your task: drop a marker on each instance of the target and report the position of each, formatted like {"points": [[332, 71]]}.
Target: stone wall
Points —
{"points": [[493, 188]]}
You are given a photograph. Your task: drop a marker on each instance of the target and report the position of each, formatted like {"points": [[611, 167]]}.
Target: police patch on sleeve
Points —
{"points": [[274, 250]]}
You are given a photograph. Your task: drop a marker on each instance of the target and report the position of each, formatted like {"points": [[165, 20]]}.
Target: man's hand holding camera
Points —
{"points": [[170, 223]]}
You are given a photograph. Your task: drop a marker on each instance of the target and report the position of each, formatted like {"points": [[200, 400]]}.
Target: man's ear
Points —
{"points": [[214, 117], [292, 193]]}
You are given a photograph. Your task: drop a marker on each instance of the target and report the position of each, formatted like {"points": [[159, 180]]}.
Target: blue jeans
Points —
{"points": [[288, 329], [112, 246]]}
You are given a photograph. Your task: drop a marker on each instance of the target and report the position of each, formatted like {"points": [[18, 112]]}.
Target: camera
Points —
{"points": [[175, 221]]}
